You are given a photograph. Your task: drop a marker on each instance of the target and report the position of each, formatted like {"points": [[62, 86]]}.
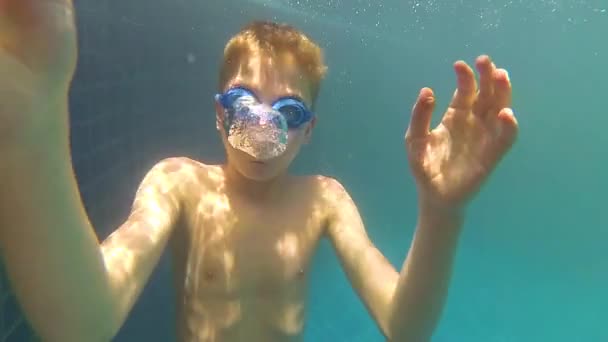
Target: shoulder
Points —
{"points": [[184, 167], [330, 189], [174, 165], [340, 212], [181, 173], [332, 194]]}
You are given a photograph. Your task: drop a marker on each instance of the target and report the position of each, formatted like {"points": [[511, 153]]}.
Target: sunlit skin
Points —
{"points": [[243, 250], [242, 234]]}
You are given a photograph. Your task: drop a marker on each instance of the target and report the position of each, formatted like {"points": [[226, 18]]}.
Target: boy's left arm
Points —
{"points": [[410, 300], [449, 163]]}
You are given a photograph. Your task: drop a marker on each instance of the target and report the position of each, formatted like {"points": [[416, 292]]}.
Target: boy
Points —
{"points": [[242, 234]]}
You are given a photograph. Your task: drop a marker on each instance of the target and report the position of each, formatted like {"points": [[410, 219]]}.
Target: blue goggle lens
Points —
{"points": [[293, 110]]}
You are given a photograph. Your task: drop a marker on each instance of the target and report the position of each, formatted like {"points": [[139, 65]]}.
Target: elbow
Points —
{"points": [[101, 326], [98, 326], [410, 321], [102, 333], [404, 332], [407, 329], [95, 332], [403, 336]]}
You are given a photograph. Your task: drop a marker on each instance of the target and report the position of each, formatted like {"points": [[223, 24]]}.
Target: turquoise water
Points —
{"points": [[532, 263]]}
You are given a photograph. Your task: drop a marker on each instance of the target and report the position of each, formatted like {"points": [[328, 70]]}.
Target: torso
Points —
{"points": [[241, 266]]}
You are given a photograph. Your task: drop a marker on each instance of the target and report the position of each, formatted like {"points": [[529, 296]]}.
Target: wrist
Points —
{"points": [[38, 121], [432, 214], [436, 207]]}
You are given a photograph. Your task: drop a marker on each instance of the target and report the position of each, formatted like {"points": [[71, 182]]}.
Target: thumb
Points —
{"points": [[422, 114], [508, 128], [506, 133]]}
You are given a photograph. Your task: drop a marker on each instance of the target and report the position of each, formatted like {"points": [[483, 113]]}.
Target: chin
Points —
{"points": [[259, 171]]}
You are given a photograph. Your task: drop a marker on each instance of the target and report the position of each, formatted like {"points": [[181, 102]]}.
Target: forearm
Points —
{"points": [[424, 279], [50, 250]]}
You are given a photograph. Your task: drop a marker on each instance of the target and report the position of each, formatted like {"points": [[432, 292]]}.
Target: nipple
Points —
{"points": [[209, 275]]}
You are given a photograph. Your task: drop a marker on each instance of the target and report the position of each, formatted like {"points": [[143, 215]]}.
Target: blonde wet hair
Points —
{"points": [[274, 40]]}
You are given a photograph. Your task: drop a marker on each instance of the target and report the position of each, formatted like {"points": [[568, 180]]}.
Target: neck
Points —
{"points": [[253, 189]]}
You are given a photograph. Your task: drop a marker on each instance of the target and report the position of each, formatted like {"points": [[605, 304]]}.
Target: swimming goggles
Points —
{"points": [[295, 112]]}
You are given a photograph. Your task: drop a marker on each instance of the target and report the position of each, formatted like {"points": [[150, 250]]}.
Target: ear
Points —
{"points": [[309, 128], [219, 116]]}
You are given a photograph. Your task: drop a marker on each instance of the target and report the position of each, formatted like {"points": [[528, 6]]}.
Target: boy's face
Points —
{"points": [[270, 79]]}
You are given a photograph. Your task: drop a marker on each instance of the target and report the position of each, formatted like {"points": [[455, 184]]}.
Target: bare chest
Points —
{"points": [[229, 251]]}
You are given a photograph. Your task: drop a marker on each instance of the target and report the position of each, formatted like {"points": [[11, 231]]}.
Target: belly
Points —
{"points": [[245, 281], [253, 301], [241, 318]]}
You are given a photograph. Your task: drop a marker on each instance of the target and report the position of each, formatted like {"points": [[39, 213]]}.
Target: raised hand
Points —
{"points": [[37, 62], [451, 161]]}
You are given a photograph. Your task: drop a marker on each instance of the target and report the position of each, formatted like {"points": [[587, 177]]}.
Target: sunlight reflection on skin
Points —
{"points": [[153, 211], [241, 263], [233, 275], [245, 264], [439, 154]]}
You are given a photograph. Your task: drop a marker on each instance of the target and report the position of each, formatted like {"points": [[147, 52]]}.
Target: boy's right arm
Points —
{"points": [[70, 287]]}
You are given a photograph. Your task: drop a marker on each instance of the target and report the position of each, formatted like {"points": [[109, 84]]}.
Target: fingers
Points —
{"points": [[29, 14], [506, 133], [23, 14], [502, 90], [494, 90], [508, 126], [486, 68], [491, 100], [465, 94], [420, 121]]}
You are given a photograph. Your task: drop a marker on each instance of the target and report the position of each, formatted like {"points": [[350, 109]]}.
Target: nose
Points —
{"points": [[264, 119], [267, 117]]}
